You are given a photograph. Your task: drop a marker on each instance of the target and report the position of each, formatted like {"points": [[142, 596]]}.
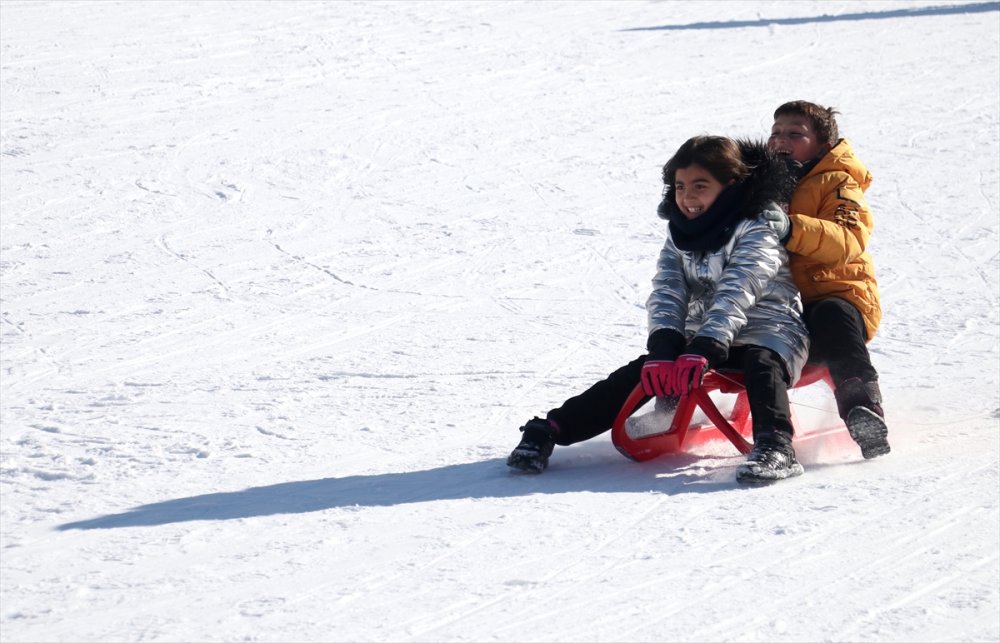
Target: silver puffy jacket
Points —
{"points": [[741, 294]]}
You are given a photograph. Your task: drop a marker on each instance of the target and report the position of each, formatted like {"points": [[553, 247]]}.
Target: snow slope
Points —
{"points": [[281, 280]]}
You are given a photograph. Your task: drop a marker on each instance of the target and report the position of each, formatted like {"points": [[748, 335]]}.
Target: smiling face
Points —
{"points": [[695, 190], [793, 136]]}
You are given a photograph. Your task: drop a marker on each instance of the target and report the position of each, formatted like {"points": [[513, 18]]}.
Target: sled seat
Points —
{"points": [[682, 435]]}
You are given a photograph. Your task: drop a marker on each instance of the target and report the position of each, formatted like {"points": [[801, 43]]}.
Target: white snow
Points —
{"points": [[281, 280]]}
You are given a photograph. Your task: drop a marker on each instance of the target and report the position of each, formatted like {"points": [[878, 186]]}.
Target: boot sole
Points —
{"points": [[869, 431], [748, 476], [527, 462]]}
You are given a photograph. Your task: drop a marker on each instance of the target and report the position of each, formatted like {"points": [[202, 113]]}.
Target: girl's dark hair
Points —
{"points": [[823, 119], [719, 155]]}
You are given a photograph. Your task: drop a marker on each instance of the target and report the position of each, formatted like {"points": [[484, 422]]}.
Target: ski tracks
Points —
{"points": [[771, 548], [161, 242], [536, 588]]}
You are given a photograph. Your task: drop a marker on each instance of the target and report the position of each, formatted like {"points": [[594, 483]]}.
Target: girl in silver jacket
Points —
{"points": [[722, 297]]}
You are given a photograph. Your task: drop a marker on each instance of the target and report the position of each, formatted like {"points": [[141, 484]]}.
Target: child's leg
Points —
{"points": [[837, 334], [579, 418], [767, 393], [773, 457], [592, 412]]}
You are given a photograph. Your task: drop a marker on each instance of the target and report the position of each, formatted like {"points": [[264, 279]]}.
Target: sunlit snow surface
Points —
{"points": [[280, 281]]}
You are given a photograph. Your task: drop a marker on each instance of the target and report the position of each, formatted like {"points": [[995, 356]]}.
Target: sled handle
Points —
{"points": [[634, 399], [709, 408]]}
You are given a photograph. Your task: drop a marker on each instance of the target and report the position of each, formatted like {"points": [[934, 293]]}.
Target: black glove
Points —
{"points": [[665, 344]]}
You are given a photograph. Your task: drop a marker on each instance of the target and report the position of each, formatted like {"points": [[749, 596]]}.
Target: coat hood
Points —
{"points": [[770, 179], [842, 159]]}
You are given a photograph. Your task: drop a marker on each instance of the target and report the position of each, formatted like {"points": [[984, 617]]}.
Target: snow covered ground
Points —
{"points": [[281, 280]]}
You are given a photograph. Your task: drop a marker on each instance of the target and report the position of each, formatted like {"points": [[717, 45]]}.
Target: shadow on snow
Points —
{"points": [[671, 475], [867, 15]]}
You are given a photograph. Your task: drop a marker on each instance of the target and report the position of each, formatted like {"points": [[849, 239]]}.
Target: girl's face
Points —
{"points": [[793, 136], [695, 190]]}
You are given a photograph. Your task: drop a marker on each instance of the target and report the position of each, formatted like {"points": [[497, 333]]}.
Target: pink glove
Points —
{"points": [[657, 378], [689, 371]]}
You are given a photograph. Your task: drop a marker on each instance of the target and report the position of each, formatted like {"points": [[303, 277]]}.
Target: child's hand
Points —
{"points": [[657, 378], [779, 222], [661, 378], [689, 371]]}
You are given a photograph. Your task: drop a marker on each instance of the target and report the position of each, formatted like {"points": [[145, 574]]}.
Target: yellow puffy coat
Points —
{"points": [[831, 224]]}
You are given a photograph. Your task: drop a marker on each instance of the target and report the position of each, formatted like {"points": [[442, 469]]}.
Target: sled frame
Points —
{"points": [[737, 428]]}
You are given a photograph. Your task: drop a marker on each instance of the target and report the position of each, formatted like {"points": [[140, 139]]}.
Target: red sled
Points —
{"points": [[682, 435]]}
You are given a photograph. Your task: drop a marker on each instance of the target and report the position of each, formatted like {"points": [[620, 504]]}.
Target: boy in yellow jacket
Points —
{"points": [[826, 231]]}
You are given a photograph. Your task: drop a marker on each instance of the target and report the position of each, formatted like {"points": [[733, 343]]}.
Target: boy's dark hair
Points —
{"points": [[823, 119], [717, 154]]}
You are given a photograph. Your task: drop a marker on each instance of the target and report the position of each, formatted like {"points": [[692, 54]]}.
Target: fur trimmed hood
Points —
{"points": [[770, 178]]}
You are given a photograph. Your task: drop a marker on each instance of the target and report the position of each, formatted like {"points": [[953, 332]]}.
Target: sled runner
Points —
{"points": [[681, 435]]}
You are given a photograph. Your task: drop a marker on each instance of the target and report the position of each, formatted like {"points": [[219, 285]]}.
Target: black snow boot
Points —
{"points": [[531, 455], [772, 459], [860, 405]]}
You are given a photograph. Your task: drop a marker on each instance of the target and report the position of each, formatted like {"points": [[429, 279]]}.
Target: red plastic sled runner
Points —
{"points": [[736, 428]]}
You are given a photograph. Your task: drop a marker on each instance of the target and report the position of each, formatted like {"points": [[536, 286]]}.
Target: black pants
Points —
{"points": [[837, 335], [593, 412]]}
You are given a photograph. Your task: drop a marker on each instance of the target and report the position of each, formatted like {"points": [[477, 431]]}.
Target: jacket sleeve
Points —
{"points": [[756, 258], [667, 305], [833, 223]]}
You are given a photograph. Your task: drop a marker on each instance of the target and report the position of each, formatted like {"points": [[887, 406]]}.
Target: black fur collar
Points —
{"points": [[713, 228]]}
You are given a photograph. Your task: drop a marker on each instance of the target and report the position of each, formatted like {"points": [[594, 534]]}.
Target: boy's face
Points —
{"points": [[793, 135], [695, 190]]}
